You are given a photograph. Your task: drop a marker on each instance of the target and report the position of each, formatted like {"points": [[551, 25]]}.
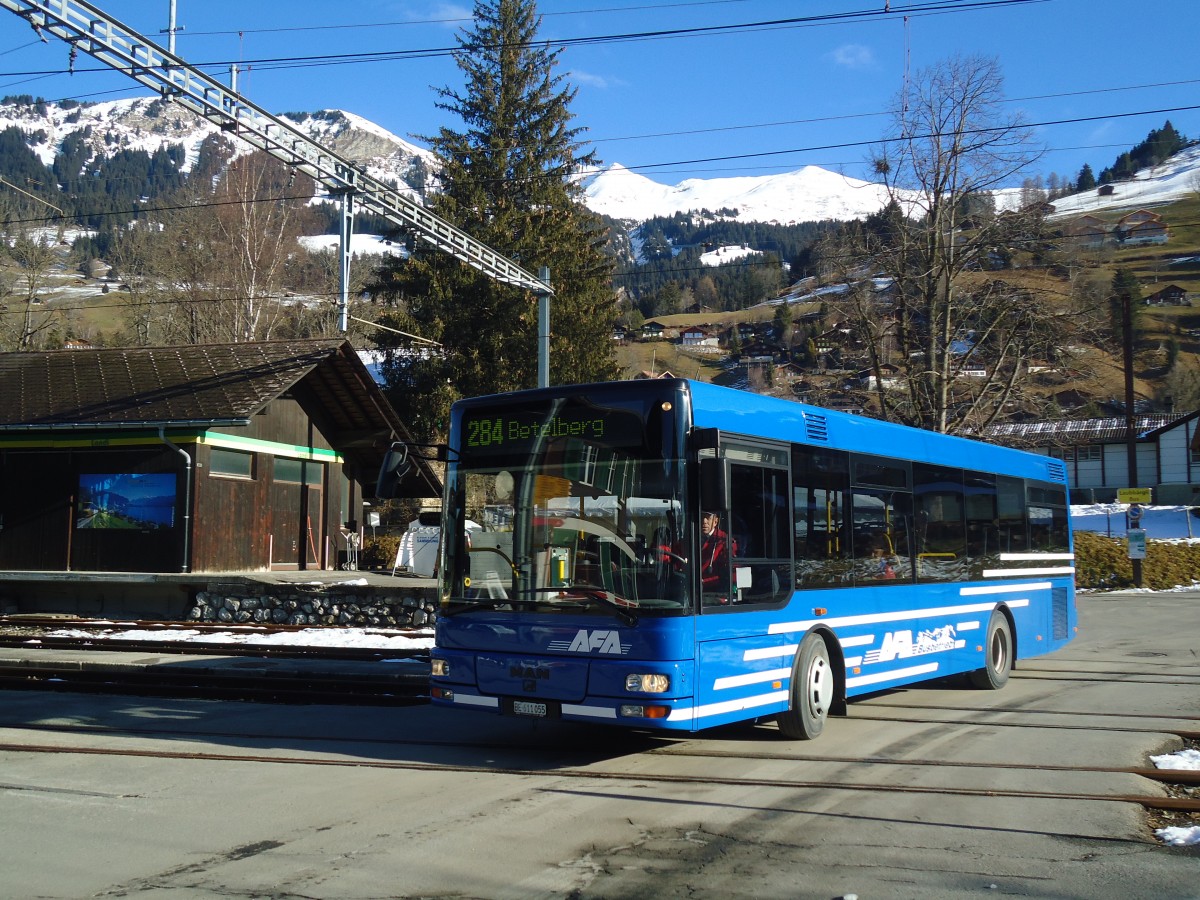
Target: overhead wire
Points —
{"points": [[278, 62]]}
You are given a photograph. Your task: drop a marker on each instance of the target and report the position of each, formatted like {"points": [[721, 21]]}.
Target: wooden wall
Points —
{"points": [[238, 524]]}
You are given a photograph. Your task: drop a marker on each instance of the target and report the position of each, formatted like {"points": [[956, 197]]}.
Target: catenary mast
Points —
{"points": [[85, 27]]}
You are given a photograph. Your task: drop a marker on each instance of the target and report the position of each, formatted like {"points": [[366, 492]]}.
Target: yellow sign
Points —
{"points": [[1133, 495]]}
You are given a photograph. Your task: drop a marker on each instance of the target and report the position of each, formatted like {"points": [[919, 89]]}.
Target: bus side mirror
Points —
{"points": [[395, 468], [714, 484]]}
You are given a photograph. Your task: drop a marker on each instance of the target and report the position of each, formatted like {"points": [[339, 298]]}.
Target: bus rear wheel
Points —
{"points": [[812, 691], [997, 650]]}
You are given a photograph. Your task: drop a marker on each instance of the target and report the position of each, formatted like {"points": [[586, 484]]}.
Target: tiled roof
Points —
{"points": [[152, 384], [1080, 431]]}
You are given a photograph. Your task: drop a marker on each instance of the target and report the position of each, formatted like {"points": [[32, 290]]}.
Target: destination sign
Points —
{"points": [[482, 430]]}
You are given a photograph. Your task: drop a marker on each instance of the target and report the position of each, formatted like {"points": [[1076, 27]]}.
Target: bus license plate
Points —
{"points": [[525, 708]]}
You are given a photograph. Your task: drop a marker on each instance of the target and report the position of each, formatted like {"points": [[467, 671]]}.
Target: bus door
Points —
{"points": [[744, 575]]}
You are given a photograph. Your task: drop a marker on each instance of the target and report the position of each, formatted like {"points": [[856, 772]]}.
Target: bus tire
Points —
{"points": [[998, 655], [813, 691]]}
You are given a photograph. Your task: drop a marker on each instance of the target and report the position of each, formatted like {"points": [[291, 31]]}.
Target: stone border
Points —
{"points": [[293, 606]]}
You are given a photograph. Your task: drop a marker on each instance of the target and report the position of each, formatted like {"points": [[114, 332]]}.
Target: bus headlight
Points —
{"points": [[647, 684], [439, 666]]}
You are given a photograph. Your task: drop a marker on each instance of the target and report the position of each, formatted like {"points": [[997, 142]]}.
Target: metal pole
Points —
{"points": [[1130, 415], [171, 30], [347, 232], [544, 329]]}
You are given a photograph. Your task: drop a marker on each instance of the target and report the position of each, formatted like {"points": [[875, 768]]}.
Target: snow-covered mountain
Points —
{"points": [[805, 195], [809, 194], [148, 123]]}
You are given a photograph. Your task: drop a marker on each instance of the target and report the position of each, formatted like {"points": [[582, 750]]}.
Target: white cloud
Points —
{"points": [[450, 15], [853, 56], [596, 81]]}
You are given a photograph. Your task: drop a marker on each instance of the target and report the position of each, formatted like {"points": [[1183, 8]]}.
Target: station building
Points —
{"points": [[209, 458]]}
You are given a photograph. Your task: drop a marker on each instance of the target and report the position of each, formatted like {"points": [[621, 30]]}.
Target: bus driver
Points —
{"points": [[715, 552]]}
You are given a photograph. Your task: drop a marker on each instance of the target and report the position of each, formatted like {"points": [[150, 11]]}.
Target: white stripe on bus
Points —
{"points": [[730, 681], [595, 712], [770, 652], [894, 675], [728, 706], [1006, 557], [1009, 573], [897, 616], [475, 700], [1004, 588], [857, 641]]}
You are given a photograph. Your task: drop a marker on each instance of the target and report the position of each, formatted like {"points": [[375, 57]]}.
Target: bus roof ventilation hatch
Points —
{"points": [[815, 427]]}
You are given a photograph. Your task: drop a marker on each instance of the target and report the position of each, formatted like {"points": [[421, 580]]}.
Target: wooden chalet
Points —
{"points": [[1146, 232], [220, 458], [1171, 295]]}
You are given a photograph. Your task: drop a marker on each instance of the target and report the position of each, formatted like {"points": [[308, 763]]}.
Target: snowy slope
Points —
{"points": [[805, 195], [1176, 178]]}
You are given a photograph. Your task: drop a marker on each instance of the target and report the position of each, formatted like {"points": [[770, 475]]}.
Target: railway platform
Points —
{"points": [[156, 595]]}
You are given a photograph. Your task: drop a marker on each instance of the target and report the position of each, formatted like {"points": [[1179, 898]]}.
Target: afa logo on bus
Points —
{"points": [[595, 640], [900, 644]]}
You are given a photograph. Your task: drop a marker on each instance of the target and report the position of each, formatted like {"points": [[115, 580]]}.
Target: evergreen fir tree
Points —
{"points": [[1085, 181], [507, 178]]}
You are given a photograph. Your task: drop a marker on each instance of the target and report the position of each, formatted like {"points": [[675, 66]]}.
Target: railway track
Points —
{"points": [[245, 680], [1175, 804], [260, 672]]}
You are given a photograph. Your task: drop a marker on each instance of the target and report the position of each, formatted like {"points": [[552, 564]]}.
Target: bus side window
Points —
{"points": [[820, 492], [759, 523], [1010, 514], [882, 545], [941, 533], [1047, 513], [983, 522]]}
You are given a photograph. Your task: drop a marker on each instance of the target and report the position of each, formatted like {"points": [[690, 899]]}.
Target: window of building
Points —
{"points": [[299, 471], [230, 463]]}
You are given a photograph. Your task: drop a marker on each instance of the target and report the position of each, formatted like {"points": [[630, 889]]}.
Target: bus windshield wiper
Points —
{"points": [[462, 606], [622, 606]]}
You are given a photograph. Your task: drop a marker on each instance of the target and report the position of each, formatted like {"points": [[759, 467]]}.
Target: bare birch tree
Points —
{"points": [[947, 331], [261, 212], [27, 323]]}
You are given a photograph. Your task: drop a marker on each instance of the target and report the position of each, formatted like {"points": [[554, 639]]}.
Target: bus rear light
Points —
{"points": [[439, 667], [637, 711], [647, 683], [438, 693]]}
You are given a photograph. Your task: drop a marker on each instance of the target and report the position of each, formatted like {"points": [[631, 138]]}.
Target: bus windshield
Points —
{"points": [[570, 505]]}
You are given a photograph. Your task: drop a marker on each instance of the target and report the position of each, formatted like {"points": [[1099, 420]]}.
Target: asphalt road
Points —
{"points": [[931, 792]]}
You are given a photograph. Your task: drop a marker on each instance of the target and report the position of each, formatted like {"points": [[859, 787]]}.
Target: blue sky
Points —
{"points": [[670, 107]]}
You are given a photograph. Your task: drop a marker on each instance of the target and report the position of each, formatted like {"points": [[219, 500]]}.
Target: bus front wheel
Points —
{"points": [[998, 653], [812, 691]]}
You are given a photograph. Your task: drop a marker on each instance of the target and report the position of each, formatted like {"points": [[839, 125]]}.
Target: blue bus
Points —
{"points": [[669, 554]]}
